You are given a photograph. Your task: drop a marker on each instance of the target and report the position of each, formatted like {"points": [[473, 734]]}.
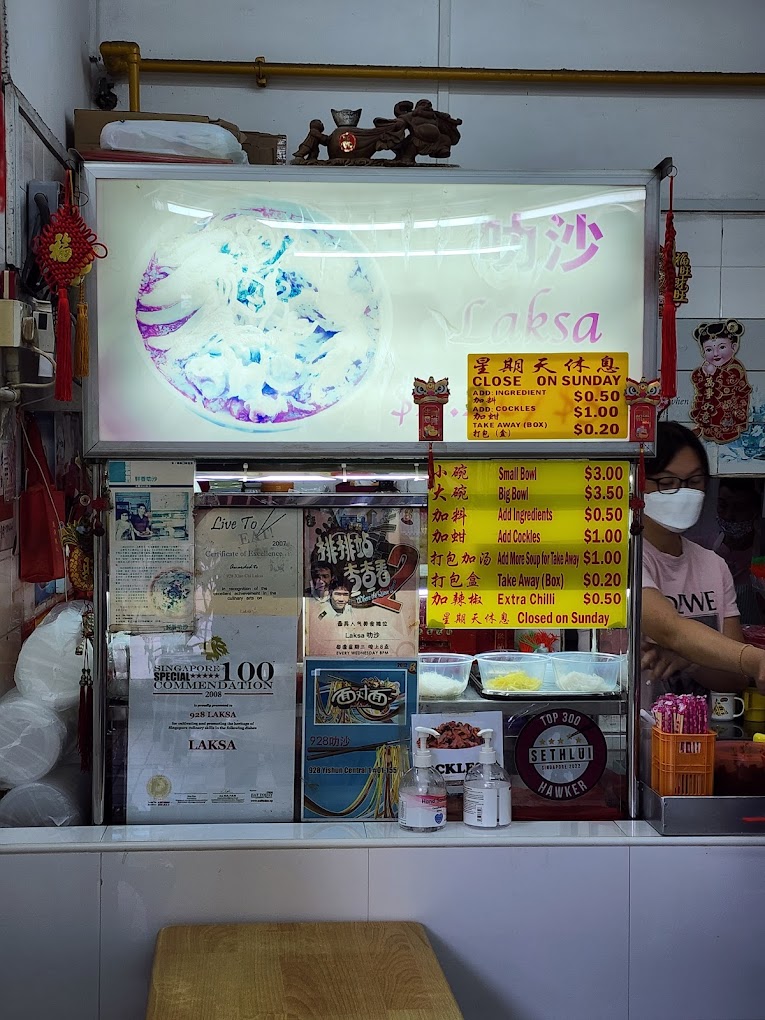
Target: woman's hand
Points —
{"points": [[753, 664], [662, 662]]}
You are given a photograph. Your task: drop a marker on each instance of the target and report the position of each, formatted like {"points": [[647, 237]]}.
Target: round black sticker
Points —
{"points": [[560, 754]]}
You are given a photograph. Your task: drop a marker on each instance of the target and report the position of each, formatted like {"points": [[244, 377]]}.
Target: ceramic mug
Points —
{"points": [[723, 706]]}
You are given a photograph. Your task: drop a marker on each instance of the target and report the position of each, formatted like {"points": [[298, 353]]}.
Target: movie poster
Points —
{"points": [[361, 582]]}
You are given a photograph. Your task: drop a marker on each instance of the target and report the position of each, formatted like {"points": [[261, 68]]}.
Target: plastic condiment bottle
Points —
{"points": [[486, 799], [422, 792]]}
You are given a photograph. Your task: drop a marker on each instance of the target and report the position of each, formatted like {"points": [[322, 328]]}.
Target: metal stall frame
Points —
{"points": [[266, 452]]}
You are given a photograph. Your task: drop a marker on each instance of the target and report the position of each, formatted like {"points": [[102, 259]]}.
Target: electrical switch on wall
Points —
{"points": [[12, 313]]}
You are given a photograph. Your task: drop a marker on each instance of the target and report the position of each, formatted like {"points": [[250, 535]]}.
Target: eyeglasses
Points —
{"points": [[669, 483]]}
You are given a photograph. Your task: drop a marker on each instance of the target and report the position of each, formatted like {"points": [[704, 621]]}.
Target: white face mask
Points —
{"points": [[675, 511]]}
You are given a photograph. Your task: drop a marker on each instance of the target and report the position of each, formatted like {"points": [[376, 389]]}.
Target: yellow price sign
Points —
{"points": [[528, 544], [547, 396]]}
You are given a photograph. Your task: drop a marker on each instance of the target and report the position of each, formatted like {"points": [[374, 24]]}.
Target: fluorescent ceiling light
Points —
{"points": [[185, 210], [222, 476], [403, 254], [454, 221], [378, 477], [289, 477], [253, 476], [610, 198]]}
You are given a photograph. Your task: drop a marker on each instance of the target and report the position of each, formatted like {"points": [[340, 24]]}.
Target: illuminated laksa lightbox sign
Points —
{"points": [[235, 310]]}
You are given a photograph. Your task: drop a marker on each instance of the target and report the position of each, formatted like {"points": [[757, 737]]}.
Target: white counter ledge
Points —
{"points": [[52, 840], [286, 835]]}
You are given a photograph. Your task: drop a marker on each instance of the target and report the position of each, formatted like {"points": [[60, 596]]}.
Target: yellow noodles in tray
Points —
{"points": [[516, 680]]}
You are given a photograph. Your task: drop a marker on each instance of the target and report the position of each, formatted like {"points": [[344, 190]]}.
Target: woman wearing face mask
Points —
{"points": [[690, 621]]}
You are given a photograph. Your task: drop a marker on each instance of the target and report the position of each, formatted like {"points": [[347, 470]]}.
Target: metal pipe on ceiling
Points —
{"points": [[124, 58]]}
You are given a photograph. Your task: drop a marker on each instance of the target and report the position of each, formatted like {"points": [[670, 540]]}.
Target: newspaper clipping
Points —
{"points": [[152, 560]]}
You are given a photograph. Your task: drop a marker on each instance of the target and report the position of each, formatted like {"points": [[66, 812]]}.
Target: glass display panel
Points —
{"points": [[234, 313]]}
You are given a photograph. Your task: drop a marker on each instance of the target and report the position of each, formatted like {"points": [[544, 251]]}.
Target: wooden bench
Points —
{"points": [[372, 970]]}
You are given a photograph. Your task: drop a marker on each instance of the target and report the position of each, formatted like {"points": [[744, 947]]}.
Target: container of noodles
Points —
{"points": [[442, 676], [585, 672], [511, 672]]}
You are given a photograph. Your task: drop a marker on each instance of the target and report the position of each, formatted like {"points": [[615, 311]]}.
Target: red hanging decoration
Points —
{"points": [[85, 714], [65, 250], [430, 395], [42, 512], [82, 337], [637, 503], [643, 398], [669, 311], [85, 722], [63, 390]]}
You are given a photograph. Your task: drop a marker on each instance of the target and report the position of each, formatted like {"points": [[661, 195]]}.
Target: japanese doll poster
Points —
{"points": [[361, 582]]}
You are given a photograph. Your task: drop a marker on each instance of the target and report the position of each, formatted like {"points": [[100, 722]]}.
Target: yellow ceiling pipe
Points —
{"points": [[124, 58]]}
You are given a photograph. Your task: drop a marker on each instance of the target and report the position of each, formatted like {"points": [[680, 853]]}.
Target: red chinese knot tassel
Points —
{"points": [[63, 389], [82, 338], [85, 722], [637, 503], [669, 311]]}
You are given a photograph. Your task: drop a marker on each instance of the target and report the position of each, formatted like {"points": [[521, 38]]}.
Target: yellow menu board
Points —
{"points": [[528, 544], [547, 396]]}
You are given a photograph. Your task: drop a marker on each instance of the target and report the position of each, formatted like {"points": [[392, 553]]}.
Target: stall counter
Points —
{"points": [[541, 920]]}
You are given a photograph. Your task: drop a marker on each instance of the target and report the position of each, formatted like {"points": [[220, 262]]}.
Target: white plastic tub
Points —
{"points": [[586, 672], [442, 676]]}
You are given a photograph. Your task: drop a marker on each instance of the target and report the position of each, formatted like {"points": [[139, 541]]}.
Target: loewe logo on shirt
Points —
{"points": [[703, 602]]}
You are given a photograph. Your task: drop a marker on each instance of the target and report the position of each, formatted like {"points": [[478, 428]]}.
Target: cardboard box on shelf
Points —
{"points": [[264, 149], [229, 127]]}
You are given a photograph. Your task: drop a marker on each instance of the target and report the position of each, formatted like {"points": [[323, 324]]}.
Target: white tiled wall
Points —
{"points": [[727, 253], [49, 933], [743, 267]]}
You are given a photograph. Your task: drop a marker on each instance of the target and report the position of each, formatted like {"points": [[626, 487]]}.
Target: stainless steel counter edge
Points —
{"points": [[374, 835]]}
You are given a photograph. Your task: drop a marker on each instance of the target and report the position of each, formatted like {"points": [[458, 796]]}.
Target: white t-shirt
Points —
{"points": [[699, 585], [698, 582]]}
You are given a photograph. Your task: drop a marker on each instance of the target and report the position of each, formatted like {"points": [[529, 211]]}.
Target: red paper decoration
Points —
{"points": [[66, 249]]}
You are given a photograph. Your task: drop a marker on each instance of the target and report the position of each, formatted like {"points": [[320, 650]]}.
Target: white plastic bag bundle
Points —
{"points": [[32, 740], [58, 799], [174, 138], [49, 669], [118, 666]]}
